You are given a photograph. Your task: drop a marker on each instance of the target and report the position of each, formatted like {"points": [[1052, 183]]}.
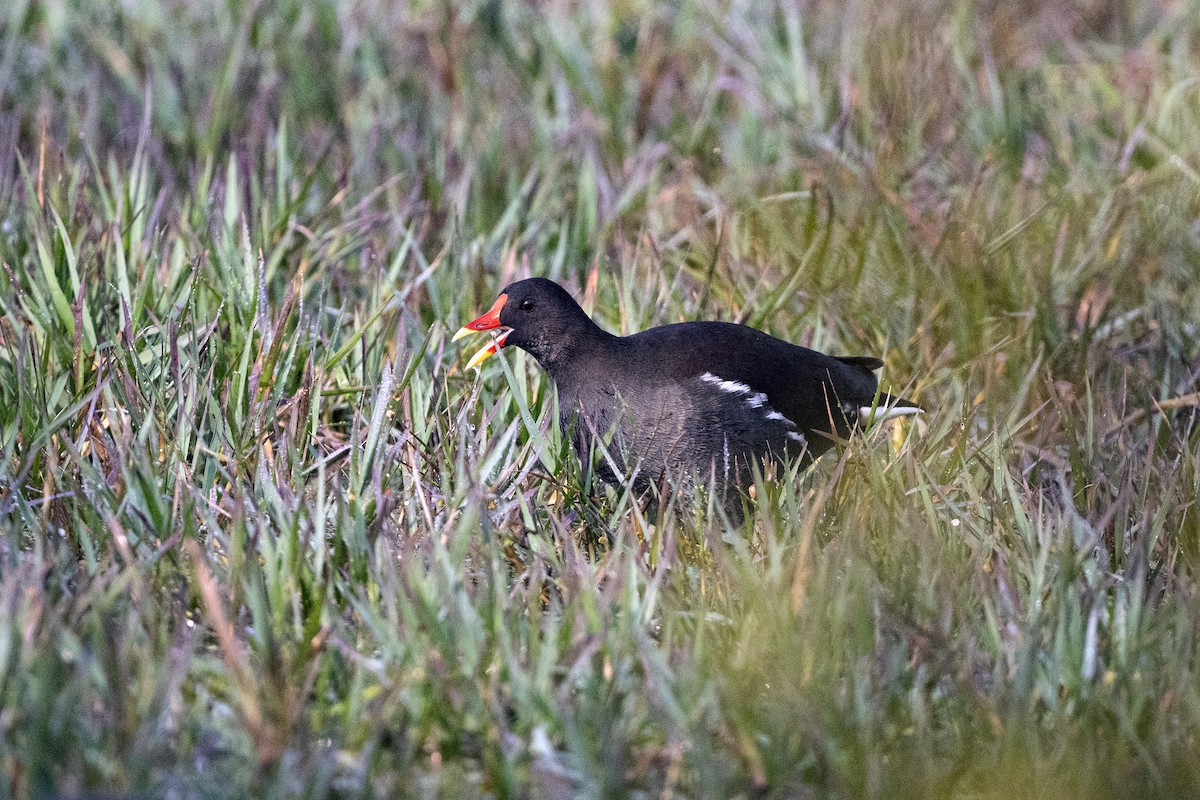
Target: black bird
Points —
{"points": [[694, 401]]}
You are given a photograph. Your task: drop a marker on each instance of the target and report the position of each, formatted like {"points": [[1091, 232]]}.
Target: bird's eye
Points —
{"points": [[527, 305]]}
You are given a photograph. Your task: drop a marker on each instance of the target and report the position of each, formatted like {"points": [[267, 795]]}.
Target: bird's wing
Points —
{"points": [[823, 397]]}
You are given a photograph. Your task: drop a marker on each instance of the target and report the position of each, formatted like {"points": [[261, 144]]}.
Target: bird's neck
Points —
{"points": [[565, 355]]}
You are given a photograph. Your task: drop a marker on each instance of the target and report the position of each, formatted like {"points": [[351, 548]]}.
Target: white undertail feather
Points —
{"points": [[867, 415]]}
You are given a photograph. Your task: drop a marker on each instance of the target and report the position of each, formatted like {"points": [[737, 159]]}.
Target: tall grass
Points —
{"points": [[261, 535]]}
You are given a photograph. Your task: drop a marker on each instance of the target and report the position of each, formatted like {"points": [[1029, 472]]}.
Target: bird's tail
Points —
{"points": [[867, 363]]}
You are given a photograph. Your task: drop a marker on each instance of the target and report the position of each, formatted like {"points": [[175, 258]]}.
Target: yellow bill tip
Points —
{"points": [[487, 351], [482, 354]]}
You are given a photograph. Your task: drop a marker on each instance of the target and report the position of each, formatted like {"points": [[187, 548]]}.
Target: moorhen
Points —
{"points": [[694, 401]]}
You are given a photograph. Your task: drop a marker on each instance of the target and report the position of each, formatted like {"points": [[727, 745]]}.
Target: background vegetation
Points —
{"points": [[261, 536]]}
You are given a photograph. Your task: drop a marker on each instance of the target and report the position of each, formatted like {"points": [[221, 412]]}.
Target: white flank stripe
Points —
{"points": [[757, 400], [797, 437], [733, 387]]}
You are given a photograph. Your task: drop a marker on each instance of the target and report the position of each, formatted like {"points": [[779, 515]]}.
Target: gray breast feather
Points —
{"points": [[673, 428]]}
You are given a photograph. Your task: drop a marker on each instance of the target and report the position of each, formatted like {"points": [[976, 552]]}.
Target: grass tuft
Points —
{"points": [[262, 536]]}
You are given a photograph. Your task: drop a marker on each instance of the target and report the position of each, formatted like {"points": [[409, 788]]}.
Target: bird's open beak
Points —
{"points": [[488, 322]]}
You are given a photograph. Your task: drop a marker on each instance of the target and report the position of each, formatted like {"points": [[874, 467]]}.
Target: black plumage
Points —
{"points": [[690, 401]]}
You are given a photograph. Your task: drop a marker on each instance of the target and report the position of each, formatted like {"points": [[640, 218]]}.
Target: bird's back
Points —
{"points": [[804, 385], [694, 397]]}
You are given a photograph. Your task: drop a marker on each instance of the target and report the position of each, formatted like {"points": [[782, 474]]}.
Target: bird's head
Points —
{"points": [[536, 315]]}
